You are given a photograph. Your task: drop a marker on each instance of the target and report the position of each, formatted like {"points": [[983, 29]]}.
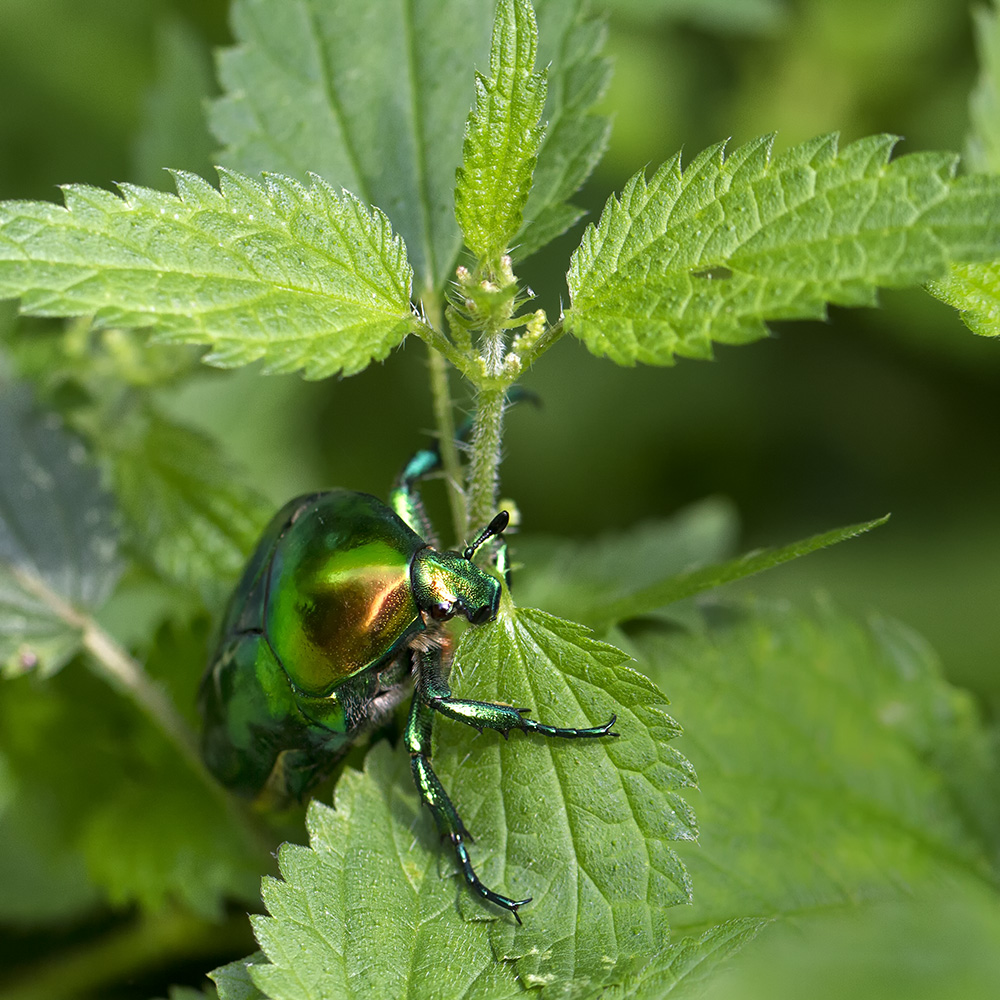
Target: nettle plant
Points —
{"points": [[362, 203]]}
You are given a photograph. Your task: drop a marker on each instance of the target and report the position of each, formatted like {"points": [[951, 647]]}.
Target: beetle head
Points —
{"points": [[446, 584]]}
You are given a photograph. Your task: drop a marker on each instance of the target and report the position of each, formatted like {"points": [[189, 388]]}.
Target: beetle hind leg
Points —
{"points": [[446, 818]]}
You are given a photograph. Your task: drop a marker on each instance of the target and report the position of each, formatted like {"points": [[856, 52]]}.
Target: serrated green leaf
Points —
{"points": [[974, 289], [585, 830], [570, 579], [186, 511], [173, 132], [585, 827], [643, 600], [570, 44], [711, 253], [827, 751], [365, 911], [682, 967], [58, 540], [371, 97], [502, 136], [301, 277], [233, 980], [378, 112]]}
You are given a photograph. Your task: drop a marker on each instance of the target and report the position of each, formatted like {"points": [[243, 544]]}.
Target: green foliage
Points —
{"points": [[974, 289], [571, 46], [851, 796], [188, 514], [365, 910], [709, 253], [611, 581], [682, 967], [796, 816], [502, 136], [846, 787], [365, 97], [378, 111], [938, 945], [303, 278], [233, 981], [58, 542], [571, 578], [584, 829], [724, 15], [174, 133], [146, 827], [984, 103], [189, 993], [44, 879]]}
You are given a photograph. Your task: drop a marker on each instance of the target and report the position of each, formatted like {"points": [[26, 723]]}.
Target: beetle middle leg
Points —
{"points": [[433, 688], [432, 695], [446, 818]]}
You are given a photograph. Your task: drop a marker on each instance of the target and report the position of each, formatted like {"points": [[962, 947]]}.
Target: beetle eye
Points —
{"points": [[481, 616], [439, 612]]}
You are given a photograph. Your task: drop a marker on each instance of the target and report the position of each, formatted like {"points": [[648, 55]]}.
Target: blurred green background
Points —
{"points": [[890, 410]]}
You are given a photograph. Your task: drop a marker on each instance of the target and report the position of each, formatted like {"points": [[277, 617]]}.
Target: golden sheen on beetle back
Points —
{"points": [[340, 592]]}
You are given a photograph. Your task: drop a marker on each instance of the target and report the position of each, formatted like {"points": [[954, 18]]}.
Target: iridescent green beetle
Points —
{"points": [[339, 606]]}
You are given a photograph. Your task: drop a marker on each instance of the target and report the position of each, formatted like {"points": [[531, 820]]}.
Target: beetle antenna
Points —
{"points": [[495, 527]]}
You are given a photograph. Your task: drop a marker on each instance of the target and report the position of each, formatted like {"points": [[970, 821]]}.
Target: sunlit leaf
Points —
{"points": [[372, 97], [502, 136], [570, 46], [712, 252], [301, 277], [585, 827]]}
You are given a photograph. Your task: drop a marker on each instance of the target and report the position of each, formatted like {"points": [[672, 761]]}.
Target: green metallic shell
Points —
{"points": [[316, 638], [329, 585], [310, 642], [252, 716], [339, 598]]}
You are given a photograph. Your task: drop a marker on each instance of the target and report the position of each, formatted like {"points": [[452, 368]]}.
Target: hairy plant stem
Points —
{"points": [[487, 436], [444, 419]]}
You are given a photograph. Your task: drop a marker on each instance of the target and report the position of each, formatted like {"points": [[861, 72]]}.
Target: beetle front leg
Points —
{"points": [[418, 742], [433, 688]]}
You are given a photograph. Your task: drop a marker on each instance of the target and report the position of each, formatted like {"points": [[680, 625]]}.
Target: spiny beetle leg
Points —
{"points": [[487, 715], [434, 689], [418, 742]]}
